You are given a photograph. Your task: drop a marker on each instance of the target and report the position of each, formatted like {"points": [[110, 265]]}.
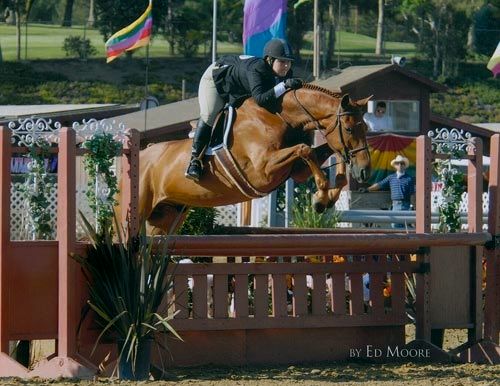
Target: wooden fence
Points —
{"points": [[275, 317]]}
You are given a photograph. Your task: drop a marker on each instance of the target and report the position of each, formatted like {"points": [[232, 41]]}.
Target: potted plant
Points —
{"points": [[127, 283]]}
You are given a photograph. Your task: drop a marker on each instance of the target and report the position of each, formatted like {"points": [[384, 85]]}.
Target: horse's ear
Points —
{"points": [[363, 102], [345, 102]]}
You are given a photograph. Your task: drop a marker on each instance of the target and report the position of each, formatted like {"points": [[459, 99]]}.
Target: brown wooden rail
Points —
{"points": [[290, 295], [321, 244]]}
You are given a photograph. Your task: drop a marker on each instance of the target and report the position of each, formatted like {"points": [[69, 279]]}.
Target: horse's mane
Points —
{"points": [[315, 87]]}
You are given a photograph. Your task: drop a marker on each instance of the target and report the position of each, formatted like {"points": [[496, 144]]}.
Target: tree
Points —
{"points": [[169, 29], [188, 24], [380, 28], [230, 18], [68, 13], [330, 45], [485, 35], [91, 18], [113, 15], [21, 9], [300, 20], [441, 28], [45, 11]]}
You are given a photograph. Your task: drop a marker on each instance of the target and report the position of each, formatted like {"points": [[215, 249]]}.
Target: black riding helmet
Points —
{"points": [[278, 49]]}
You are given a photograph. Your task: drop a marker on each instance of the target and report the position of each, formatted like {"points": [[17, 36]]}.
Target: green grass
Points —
{"points": [[356, 44], [46, 42]]}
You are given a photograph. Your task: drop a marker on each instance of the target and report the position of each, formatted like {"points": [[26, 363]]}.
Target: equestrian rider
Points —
{"points": [[234, 78]]}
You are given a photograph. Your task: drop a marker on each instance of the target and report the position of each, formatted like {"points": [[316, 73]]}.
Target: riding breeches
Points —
{"points": [[209, 99]]}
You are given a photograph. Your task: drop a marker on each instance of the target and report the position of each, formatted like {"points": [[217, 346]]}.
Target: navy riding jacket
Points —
{"points": [[239, 77]]}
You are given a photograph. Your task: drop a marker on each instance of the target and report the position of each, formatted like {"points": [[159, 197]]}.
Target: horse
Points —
{"points": [[266, 148]]}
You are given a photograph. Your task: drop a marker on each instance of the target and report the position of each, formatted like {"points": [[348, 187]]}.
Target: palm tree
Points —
{"points": [[380, 28]]}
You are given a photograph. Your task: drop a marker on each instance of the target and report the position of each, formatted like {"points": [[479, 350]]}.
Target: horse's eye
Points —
{"points": [[348, 129]]}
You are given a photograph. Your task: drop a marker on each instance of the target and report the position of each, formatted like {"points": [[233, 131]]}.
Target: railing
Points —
{"points": [[353, 291], [394, 216], [291, 295]]}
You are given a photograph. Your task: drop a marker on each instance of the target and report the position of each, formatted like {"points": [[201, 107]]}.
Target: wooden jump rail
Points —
{"points": [[322, 244]]}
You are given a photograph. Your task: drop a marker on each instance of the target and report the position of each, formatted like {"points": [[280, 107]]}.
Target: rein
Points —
{"points": [[347, 154]]}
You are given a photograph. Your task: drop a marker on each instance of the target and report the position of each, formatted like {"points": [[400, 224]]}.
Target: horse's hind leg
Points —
{"points": [[166, 219]]}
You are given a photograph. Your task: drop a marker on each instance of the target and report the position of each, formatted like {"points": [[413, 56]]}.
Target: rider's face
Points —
{"points": [[281, 67]]}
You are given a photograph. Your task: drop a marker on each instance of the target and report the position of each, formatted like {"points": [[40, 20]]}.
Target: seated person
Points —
{"points": [[378, 121]]}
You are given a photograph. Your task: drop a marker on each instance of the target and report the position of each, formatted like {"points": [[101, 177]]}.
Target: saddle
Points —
{"points": [[220, 131], [219, 147]]}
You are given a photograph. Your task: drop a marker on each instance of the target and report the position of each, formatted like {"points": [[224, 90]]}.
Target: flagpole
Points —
{"points": [[316, 47], [214, 32], [146, 90]]}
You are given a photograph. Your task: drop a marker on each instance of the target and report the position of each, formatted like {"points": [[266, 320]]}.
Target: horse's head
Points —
{"points": [[346, 135], [339, 119]]}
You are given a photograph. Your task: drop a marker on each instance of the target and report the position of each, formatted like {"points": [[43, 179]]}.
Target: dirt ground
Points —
{"points": [[349, 374], [320, 374]]}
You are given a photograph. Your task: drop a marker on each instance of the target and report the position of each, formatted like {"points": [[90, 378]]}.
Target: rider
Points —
{"points": [[234, 78]]}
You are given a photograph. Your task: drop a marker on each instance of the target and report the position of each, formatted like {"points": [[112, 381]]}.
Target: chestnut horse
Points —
{"points": [[265, 148]]}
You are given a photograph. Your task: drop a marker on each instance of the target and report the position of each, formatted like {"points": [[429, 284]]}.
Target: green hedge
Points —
{"points": [[21, 83]]}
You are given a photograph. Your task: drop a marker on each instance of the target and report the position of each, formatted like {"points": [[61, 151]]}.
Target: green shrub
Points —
{"points": [[304, 215], [78, 47], [200, 221]]}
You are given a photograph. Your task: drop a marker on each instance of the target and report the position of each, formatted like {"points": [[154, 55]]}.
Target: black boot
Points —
{"points": [[200, 142]]}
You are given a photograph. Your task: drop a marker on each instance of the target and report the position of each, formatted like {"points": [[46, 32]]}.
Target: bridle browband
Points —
{"points": [[347, 154]]}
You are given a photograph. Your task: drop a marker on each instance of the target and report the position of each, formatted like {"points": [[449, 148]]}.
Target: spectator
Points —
{"points": [[378, 121], [402, 186]]}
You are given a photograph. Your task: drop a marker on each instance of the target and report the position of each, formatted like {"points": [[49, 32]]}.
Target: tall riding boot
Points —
{"points": [[200, 142]]}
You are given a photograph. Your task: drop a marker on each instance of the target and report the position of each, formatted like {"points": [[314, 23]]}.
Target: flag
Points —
{"points": [[131, 37], [494, 63], [262, 21], [384, 148]]}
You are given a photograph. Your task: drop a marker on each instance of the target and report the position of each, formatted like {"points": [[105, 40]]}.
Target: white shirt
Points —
{"points": [[376, 124]]}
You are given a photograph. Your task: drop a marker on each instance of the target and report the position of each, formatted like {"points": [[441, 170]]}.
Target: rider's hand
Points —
{"points": [[293, 83]]}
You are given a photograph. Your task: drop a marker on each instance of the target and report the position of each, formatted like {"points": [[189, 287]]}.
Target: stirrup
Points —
{"points": [[194, 169]]}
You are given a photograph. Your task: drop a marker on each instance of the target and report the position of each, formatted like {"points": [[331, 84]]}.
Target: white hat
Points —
{"points": [[400, 158]]}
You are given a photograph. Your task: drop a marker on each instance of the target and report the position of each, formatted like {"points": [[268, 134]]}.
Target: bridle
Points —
{"points": [[347, 154]]}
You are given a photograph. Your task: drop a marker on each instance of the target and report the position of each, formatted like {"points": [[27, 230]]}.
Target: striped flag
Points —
{"points": [[131, 37], [263, 20], [384, 148], [494, 63]]}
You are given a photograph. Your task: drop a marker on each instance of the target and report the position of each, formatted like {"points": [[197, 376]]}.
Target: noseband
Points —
{"points": [[346, 154]]}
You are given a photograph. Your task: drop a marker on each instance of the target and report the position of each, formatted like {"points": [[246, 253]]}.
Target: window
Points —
{"points": [[403, 116]]}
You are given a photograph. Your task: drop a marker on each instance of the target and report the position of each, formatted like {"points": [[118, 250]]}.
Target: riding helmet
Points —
{"points": [[278, 49]]}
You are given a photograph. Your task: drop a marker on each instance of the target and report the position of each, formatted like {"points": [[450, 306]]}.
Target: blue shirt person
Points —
{"points": [[401, 185]]}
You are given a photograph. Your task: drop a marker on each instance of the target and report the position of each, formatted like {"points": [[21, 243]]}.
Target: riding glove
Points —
{"points": [[293, 83]]}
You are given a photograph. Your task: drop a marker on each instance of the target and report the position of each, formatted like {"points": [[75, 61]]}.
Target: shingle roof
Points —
{"points": [[163, 116], [353, 74]]}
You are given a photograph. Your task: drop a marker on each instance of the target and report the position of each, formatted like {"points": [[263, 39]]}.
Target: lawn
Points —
{"points": [[46, 42]]}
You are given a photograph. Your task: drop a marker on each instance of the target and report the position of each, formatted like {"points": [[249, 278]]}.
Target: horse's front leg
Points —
{"points": [[340, 182], [283, 158]]}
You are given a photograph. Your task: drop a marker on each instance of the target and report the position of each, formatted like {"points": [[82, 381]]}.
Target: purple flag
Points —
{"points": [[263, 20]]}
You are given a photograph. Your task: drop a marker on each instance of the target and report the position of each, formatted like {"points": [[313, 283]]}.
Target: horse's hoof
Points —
{"points": [[319, 207]]}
